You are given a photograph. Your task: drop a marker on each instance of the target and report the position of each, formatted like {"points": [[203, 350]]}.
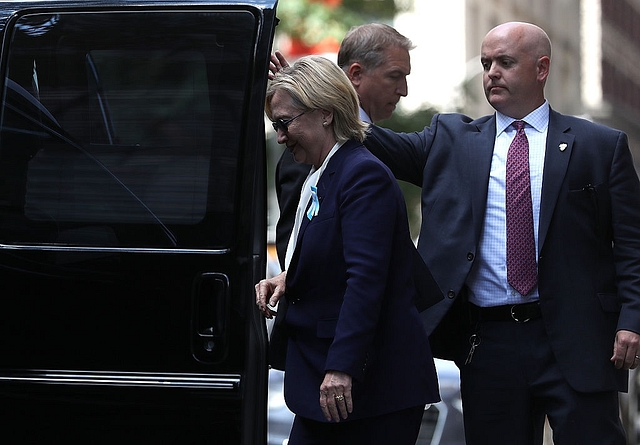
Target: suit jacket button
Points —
{"points": [[451, 294], [470, 256]]}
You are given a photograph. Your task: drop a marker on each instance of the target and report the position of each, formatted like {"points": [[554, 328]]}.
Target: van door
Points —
{"points": [[132, 223]]}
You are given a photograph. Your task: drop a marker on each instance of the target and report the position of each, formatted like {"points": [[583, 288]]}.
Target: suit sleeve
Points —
{"points": [[404, 153], [625, 203]]}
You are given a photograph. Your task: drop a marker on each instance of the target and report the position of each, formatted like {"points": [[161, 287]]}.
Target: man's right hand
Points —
{"points": [[277, 63]]}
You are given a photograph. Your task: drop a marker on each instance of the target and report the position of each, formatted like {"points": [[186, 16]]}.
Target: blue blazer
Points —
{"points": [[350, 293], [589, 233]]}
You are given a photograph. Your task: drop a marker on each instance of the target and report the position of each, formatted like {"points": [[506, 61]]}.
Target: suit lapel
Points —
{"points": [[323, 186], [556, 160], [480, 150]]}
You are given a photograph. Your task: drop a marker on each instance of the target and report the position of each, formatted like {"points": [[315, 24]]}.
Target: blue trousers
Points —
{"points": [[396, 428], [513, 381]]}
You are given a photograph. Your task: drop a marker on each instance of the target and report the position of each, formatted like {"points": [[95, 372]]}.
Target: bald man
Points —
{"points": [[531, 229]]}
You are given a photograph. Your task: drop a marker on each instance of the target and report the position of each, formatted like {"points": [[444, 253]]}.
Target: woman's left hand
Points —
{"points": [[335, 396]]}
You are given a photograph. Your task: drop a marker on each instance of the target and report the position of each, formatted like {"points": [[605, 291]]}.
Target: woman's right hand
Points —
{"points": [[335, 396], [268, 293]]}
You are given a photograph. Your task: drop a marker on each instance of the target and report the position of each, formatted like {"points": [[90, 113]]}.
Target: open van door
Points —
{"points": [[132, 221]]}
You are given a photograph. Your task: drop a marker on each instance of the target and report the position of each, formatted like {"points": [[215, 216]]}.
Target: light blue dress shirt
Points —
{"points": [[364, 117], [487, 281]]}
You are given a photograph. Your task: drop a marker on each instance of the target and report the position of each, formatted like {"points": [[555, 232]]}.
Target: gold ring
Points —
{"points": [[339, 398]]}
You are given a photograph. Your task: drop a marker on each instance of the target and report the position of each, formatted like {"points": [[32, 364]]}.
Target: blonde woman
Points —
{"points": [[358, 367]]}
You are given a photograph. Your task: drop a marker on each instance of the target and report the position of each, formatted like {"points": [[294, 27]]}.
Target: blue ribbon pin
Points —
{"points": [[315, 204]]}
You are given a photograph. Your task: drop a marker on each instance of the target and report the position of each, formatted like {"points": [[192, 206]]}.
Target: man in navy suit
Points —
{"points": [[563, 347]]}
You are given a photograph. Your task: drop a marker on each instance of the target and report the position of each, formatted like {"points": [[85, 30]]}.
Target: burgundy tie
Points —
{"points": [[521, 246]]}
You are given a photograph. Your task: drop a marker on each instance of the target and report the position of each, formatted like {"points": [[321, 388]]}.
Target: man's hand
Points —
{"points": [[626, 350], [277, 63], [268, 293]]}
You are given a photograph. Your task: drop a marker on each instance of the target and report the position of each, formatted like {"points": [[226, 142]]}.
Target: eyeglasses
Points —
{"points": [[279, 124]]}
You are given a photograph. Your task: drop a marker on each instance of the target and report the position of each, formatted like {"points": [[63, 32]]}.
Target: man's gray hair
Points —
{"points": [[366, 44]]}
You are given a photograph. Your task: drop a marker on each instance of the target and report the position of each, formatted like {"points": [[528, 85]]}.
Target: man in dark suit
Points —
{"points": [[560, 345]]}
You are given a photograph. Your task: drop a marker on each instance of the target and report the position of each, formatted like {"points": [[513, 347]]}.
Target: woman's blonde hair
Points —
{"points": [[314, 83]]}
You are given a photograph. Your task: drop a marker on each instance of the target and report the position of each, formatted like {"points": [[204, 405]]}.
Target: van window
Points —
{"points": [[116, 134]]}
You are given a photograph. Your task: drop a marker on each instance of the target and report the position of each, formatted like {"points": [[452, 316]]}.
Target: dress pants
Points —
{"points": [[513, 381], [396, 428]]}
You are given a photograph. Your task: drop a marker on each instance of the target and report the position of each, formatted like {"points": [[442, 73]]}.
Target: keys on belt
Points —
{"points": [[514, 313]]}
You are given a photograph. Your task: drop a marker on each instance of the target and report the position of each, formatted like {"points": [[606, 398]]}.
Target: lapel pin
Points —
{"points": [[562, 146]]}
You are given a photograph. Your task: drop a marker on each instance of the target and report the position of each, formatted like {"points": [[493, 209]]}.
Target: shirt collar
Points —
{"points": [[364, 116], [538, 119]]}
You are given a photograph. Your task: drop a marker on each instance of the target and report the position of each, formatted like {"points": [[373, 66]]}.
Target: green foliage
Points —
{"points": [[312, 21], [379, 9], [408, 122]]}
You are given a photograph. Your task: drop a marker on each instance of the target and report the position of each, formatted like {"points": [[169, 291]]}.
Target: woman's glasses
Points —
{"points": [[279, 124]]}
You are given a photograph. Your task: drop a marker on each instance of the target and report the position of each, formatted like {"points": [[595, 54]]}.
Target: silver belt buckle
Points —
{"points": [[515, 318]]}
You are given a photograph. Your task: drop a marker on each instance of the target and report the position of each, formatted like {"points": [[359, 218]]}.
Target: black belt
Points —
{"points": [[520, 313]]}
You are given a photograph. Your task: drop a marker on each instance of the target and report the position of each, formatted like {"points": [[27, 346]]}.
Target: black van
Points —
{"points": [[132, 221]]}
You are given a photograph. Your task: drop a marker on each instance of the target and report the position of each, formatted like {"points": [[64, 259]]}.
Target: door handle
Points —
{"points": [[210, 317]]}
